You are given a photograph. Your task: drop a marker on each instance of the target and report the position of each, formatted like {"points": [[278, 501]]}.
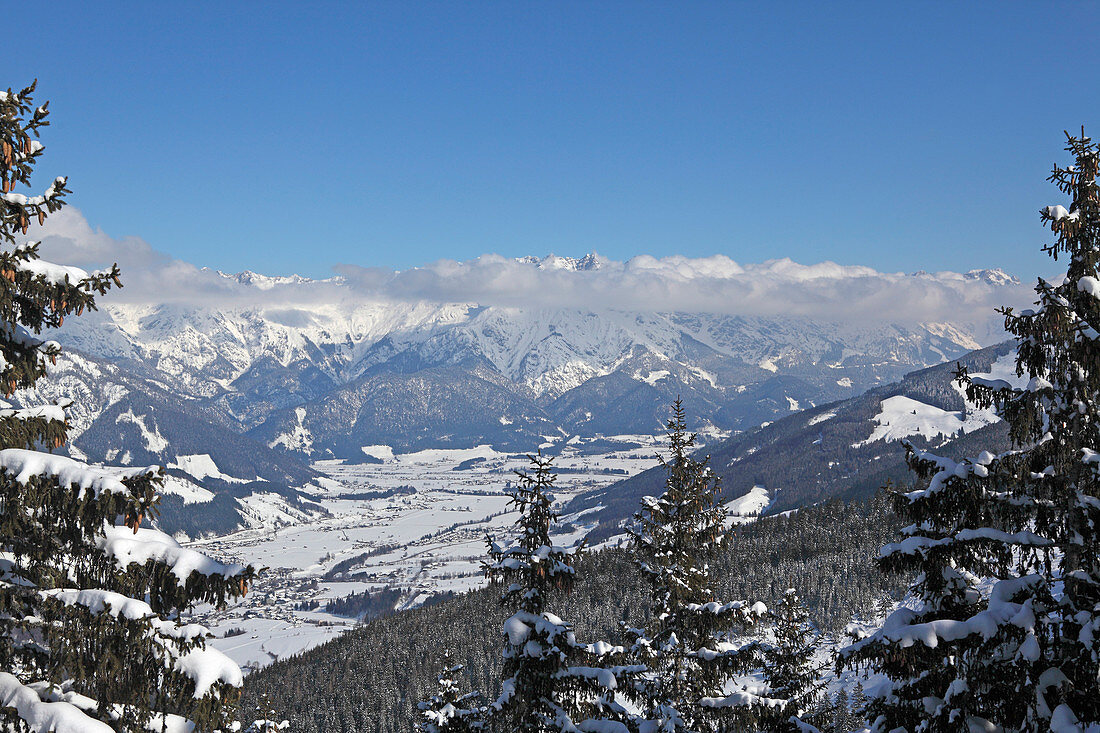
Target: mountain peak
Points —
{"points": [[263, 282], [994, 276], [590, 261]]}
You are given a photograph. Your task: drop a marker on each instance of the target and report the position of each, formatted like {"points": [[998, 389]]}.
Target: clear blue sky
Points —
{"points": [[287, 137]]}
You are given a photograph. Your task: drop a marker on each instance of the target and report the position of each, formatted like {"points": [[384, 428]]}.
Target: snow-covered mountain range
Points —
{"points": [[323, 368], [235, 382]]}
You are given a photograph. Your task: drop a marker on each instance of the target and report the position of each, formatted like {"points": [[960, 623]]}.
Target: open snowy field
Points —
{"points": [[411, 523]]}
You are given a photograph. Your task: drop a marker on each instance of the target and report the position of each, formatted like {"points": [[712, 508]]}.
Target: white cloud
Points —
{"points": [[824, 291], [706, 285], [149, 275], [68, 238]]}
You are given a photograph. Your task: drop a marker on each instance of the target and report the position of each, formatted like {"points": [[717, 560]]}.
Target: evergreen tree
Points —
{"points": [[690, 651], [268, 723], [1021, 654], [552, 682], [450, 710], [857, 711], [91, 637], [789, 667], [842, 719]]}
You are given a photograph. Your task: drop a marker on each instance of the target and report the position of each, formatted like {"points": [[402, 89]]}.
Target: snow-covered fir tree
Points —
{"points": [[690, 649], [841, 719], [91, 637], [269, 723], [450, 710], [1005, 548], [552, 682], [790, 670], [857, 709]]}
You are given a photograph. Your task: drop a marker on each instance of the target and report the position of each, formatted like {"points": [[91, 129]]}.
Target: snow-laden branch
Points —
{"points": [[921, 544], [25, 464], [127, 546], [120, 606], [204, 666], [1001, 611], [18, 199], [45, 717]]}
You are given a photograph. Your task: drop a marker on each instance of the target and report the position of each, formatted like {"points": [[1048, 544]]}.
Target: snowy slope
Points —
{"points": [[844, 449], [902, 417], [120, 418]]}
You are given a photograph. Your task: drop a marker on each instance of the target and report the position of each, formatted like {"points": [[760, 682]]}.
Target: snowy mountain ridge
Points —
{"points": [[590, 261], [508, 351], [202, 351], [547, 350]]}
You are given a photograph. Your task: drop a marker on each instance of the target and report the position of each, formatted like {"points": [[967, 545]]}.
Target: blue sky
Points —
{"points": [[293, 137]]}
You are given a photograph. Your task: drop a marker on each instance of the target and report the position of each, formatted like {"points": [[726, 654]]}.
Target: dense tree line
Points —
{"points": [[372, 678], [365, 605]]}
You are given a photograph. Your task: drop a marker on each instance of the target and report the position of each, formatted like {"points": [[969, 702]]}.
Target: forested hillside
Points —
{"points": [[372, 679]]}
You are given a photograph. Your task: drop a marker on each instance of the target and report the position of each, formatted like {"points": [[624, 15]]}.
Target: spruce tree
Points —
{"points": [[858, 708], [690, 649], [1005, 548], [790, 671], [268, 723], [450, 710], [552, 682], [91, 636], [842, 719]]}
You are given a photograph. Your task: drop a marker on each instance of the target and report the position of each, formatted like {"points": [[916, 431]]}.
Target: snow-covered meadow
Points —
{"points": [[901, 417]]}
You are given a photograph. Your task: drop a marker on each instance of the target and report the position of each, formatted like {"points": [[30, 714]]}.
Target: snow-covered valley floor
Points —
{"points": [[414, 523]]}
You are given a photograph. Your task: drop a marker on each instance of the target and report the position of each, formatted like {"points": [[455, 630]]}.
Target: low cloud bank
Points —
{"points": [[776, 288], [704, 285]]}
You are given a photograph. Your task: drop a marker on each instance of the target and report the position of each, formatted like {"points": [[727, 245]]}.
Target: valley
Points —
{"points": [[408, 529]]}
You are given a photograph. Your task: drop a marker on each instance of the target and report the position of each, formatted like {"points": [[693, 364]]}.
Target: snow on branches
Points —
{"points": [[450, 710], [91, 629], [690, 651], [1005, 549], [552, 681]]}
